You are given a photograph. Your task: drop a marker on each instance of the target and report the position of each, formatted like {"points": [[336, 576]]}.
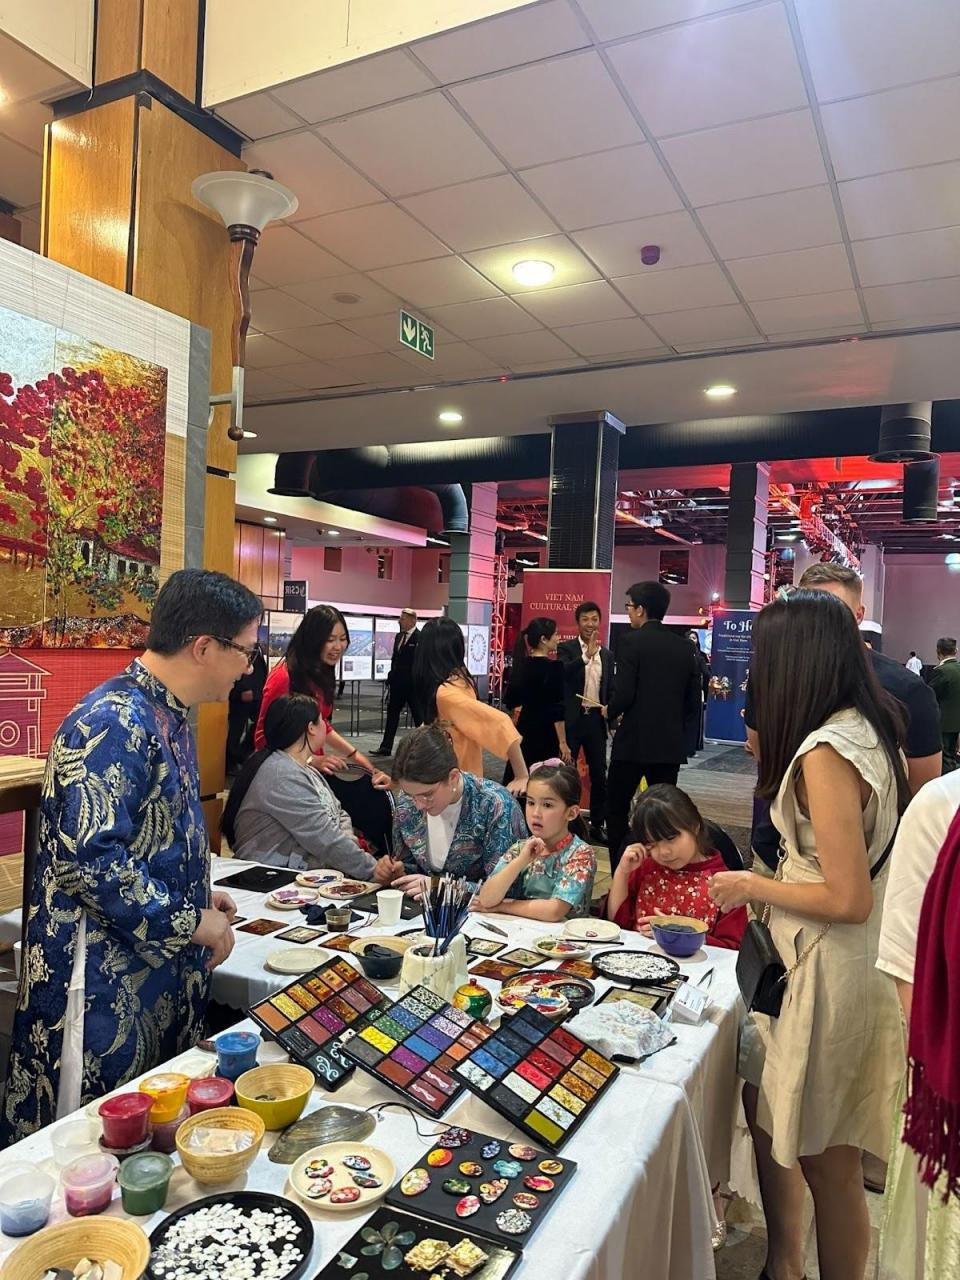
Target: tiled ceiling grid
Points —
{"points": [[797, 160]]}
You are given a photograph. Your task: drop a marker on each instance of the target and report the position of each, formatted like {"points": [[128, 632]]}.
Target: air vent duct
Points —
{"points": [[921, 487]]}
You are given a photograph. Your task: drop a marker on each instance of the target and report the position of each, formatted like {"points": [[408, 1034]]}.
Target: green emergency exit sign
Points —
{"points": [[416, 335]]}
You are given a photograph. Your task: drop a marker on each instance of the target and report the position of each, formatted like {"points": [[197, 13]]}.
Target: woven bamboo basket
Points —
{"points": [[98, 1238], [212, 1170]]}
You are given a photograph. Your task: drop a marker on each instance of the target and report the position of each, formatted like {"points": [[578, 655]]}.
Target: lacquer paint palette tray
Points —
{"points": [[497, 1189], [414, 1046], [538, 1076], [310, 1017]]}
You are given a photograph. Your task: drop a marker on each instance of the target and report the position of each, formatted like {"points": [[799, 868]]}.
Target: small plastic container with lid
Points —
{"points": [[144, 1182], [76, 1137], [88, 1184], [236, 1053], [209, 1093], [25, 1195], [165, 1135], [126, 1120], [169, 1092]]}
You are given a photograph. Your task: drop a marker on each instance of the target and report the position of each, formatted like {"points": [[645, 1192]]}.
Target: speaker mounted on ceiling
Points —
{"points": [[905, 431]]}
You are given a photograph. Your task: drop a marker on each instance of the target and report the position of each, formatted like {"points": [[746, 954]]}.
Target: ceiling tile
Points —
{"points": [[487, 319], [609, 337], [322, 181], [550, 366], [355, 86], [311, 375], [722, 345], [25, 75], [731, 67], [414, 145], [523, 35], [859, 46], [616, 249], [452, 358], [436, 283], [327, 342], [284, 256], [576, 304], [676, 290], [612, 19], [608, 186], [814, 311], [380, 368], [786, 275], [911, 200], [756, 158], [473, 215], [704, 324], [524, 348], [372, 300], [836, 331], [772, 224], [267, 353], [258, 383], [894, 130], [20, 173], [926, 299], [273, 310], [258, 116], [549, 111], [384, 331], [23, 122], [379, 235], [497, 264], [921, 255]]}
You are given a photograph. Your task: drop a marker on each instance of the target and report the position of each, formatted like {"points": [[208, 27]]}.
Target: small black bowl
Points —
{"points": [[379, 962]]}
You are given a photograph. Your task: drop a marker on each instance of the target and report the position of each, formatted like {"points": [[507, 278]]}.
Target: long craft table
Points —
{"points": [[640, 1203]]}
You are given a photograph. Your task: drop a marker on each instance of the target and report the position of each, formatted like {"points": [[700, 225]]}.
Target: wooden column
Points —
{"points": [[117, 205]]}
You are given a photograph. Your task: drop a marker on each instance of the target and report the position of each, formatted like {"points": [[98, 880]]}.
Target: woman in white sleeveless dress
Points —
{"points": [[830, 759]]}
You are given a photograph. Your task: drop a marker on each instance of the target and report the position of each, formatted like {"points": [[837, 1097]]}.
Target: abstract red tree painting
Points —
{"points": [[82, 437]]}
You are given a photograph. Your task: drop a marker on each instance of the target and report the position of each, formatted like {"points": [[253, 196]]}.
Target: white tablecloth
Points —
{"points": [[640, 1203]]}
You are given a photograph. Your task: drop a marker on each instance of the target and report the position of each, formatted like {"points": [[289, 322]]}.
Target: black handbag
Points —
{"points": [[761, 974]]}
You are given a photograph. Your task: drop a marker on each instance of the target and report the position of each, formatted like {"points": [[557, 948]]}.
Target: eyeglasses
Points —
{"points": [[250, 652]]}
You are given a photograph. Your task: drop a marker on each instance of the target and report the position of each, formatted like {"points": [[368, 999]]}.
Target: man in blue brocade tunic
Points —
{"points": [[123, 929]]}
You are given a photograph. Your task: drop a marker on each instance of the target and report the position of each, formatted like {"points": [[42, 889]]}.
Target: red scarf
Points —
{"points": [[933, 1101]]}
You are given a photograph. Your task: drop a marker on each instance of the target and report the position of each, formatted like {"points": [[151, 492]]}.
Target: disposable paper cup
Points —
{"points": [[389, 902]]}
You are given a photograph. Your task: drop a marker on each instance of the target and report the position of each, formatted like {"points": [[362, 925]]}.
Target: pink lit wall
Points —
{"points": [[414, 583], [642, 564], [921, 603]]}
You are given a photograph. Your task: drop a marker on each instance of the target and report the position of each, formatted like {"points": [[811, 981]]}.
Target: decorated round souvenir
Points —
{"points": [[524, 1200], [490, 1150], [467, 1207], [550, 1166], [453, 1138], [320, 1188], [345, 1195], [317, 879], [636, 966], [523, 988], [520, 1151], [536, 1183], [415, 1182], [439, 1157], [561, 948], [456, 1187], [474, 999], [490, 1192], [319, 1169], [514, 1222], [368, 1181], [291, 899], [343, 890], [508, 1168], [359, 1163], [470, 1169]]}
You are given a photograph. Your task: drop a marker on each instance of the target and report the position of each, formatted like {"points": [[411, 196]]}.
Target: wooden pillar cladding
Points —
{"points": [[161, 36]]}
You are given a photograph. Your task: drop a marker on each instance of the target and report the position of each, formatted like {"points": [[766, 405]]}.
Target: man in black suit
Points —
{"points": [[656, 690], [400, 680], [587, 675]]}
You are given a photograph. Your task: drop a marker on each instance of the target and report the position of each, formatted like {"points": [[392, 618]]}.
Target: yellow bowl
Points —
{"points": [[215, 1168], [277, 1093], [99, 1239]]}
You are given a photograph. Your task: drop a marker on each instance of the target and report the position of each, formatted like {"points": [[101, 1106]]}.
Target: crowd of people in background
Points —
{"points": [[852, 882]]}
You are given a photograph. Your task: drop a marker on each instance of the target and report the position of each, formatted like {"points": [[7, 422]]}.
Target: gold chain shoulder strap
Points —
{"points": [[778, 875]]}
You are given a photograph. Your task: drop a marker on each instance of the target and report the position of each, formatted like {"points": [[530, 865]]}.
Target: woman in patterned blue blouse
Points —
{"points": [[447, 821]]}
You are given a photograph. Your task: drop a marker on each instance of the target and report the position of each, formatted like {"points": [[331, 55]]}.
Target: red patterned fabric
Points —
{"points": [[653, 888]]}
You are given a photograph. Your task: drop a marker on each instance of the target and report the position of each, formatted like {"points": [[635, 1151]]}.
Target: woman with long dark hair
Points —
{"points": [[829, 757], [536, 687], [447, 692], [281, 810], [309, 667]]}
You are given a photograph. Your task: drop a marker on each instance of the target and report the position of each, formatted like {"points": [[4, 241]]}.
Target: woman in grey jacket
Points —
{"points": [[281, 810]]}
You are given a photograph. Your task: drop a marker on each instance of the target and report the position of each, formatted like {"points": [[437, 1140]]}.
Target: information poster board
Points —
{"points": [[555, 593], [295, 595], [729, 669], [478, 650], [358, 660], [387, 630], [280, 629]]}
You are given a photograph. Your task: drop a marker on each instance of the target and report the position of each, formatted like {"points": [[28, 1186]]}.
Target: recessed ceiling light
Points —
{"points": [[347, 299], [269, 519], [720, 391], [450, 418], [333, 533], [249, 435], [533, 272]]}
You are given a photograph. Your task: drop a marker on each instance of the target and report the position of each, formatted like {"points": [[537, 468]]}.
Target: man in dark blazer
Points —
{"points": [[945, 683], [587, 677], [400, 680], [656, 690]]}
